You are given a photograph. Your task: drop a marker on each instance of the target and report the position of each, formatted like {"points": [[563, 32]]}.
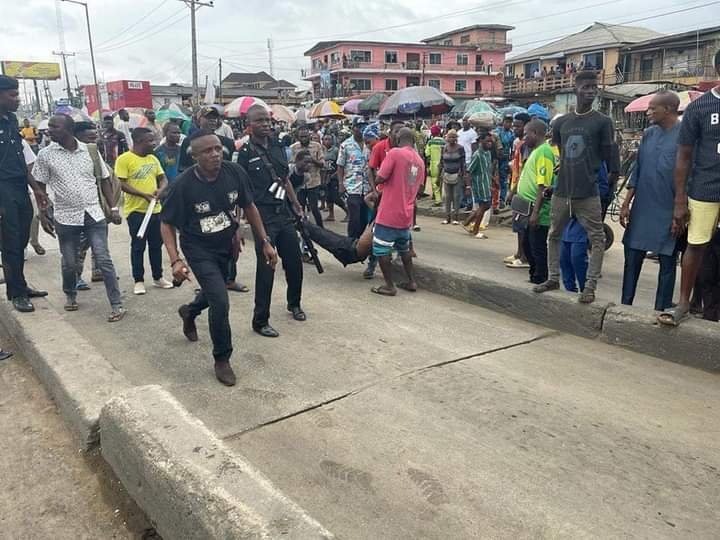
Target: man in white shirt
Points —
{"points": [[72, 172], [466, 137], [123, 126]]}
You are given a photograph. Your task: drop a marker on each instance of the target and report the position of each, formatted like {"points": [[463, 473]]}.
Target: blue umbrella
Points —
{"points": [[512, 110], [539, 111]]}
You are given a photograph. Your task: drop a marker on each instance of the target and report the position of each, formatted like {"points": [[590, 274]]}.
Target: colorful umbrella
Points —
{"points": [[239, 106], [281, 113], [417, 99], [478, 106], [326, 109], [372, 104], [172, 111], [641, 104], [74, 113], [352, 106]]}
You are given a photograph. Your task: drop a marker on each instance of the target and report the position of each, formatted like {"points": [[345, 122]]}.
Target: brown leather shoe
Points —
{"points": [[189, 328], [225, 373]]}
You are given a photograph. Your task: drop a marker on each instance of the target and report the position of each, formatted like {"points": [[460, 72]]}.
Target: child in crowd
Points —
{"points": [[574, 256], [482, 169]]}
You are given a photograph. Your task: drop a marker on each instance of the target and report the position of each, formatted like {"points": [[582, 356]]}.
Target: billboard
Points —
{"points": [[49, 71]]}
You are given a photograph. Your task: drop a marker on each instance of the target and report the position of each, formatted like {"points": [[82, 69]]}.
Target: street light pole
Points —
{"points": [[92, 55], [194, 5]]}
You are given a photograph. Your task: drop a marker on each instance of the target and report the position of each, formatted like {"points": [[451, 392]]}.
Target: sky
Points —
{"points": [[150, 39]]}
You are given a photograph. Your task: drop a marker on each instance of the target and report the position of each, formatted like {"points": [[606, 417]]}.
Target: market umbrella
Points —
{"points": [[239, 107], [539, 111], [372, 104], [172, 111], [478, 106], [512, 110], [281, 113], [417, 99], [458, 110], [99, 115], [326, 109], [641, 104], [351, 106], [76, 114], [302, 116]]}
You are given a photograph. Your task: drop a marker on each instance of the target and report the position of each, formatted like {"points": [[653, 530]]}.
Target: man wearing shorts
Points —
{"points": [[402, 173], [697, 190]]}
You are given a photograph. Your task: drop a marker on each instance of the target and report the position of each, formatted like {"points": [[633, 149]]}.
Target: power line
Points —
{"points": [[141, 19], [137, 39]]}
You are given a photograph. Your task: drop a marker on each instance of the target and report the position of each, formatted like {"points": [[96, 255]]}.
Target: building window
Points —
{"points": [[435, 58], [593, 60], [460, 86], [361, 84], [335, 58], [316, 63], [391, 57], [360, 56], [478, 86], [448, 42], [391, 84], [465, 39], [434, 83], [462, 59]]}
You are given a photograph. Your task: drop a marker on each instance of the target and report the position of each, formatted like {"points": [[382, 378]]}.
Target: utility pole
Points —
{"points": [[64, 56], [270, 56], [37, 96], [194, 5], [220, 81]]}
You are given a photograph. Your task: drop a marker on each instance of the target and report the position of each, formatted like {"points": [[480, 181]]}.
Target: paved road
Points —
{"points": [[49, 489], [423, 417]]}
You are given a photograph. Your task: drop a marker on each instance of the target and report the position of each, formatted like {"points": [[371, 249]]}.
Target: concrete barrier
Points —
{"points": [[77, 377], [187, 481], [694, 343]]}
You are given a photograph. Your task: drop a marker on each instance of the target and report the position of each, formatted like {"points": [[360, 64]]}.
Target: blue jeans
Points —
{"points": [[69, 238], [666, 278], [574, 265], [503, 174]]}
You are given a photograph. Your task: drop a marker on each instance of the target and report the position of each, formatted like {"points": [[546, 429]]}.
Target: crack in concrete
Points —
{"points": [[357, 391]]}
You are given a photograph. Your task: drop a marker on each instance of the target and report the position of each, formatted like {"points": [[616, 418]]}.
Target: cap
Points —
{"points": [[359, 121], [211, 109], [8, 83], [371, 132]]}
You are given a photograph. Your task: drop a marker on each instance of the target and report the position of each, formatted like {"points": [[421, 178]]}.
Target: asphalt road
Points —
{"points": [[423, 417]]}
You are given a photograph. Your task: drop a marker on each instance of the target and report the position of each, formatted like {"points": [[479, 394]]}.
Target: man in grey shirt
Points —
{"points": [[585, 139]]}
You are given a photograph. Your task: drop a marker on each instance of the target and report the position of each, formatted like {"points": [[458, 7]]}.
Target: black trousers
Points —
{"points": [[342, 247], [357, 212], [536, 250], [211, 272], [152, 238], [310, 199], [16, 215], [281, 231]]}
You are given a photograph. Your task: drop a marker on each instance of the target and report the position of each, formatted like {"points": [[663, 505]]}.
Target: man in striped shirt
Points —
{"points": [[697, 190]]}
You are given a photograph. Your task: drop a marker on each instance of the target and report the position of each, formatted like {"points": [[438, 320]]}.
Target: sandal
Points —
{"points": [[673, 316], [71, 305], [116, 315], [549, 285], [408, 287], [384, 291], [517, 263], [587, 296]]}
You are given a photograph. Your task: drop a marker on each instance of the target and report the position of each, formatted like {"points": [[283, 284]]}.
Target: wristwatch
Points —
{"points": [[266, 240]]}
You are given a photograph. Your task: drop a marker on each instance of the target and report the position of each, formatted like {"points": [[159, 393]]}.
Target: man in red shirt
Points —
{"points": [[401, 175]]}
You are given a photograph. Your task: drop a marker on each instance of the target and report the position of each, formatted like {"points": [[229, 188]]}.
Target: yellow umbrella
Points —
{"points": [[326, 109]]}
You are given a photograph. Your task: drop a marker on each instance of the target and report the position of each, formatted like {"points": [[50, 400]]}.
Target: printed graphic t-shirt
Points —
{"points": [[404, 172], [140, 172]]}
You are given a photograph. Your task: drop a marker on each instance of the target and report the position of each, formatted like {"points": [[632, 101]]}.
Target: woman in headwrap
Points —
{"points": [[433, 153], [453, 175]]}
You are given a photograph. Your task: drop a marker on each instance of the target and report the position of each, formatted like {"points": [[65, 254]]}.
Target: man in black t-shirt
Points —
{"points": [[202, 205], [697, 190], [585, 139]]}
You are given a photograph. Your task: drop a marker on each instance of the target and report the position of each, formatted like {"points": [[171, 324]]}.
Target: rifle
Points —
{"points": [[300, 226]]}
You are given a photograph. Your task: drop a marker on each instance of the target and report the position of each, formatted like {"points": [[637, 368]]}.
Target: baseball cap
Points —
{"points": [[206, 110]]}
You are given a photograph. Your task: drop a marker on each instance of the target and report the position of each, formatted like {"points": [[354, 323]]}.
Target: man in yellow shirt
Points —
{"points": [[29, 133], [143, 181]]}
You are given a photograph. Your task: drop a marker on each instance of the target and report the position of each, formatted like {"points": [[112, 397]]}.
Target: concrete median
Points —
{"points": [[187, 481], [79, 379]]}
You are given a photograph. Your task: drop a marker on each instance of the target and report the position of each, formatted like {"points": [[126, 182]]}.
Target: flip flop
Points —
{"points": [[406, 287], [673, 316], [517, 263], [383, 291]]}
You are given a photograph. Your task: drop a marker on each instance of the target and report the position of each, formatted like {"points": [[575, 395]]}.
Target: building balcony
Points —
{"points": [[550, 84], [407, 68], [494, 46]]}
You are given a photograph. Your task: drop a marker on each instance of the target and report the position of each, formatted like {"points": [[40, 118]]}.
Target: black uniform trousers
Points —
{"points": [[281, 231], [16, 213], [211, 270]]}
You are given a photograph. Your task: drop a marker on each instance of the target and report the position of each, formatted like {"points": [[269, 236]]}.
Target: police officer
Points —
{"points": [[202, 205], [15, 206], [266, 163]]}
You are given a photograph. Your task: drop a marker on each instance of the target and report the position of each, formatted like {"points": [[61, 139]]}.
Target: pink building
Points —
{"points": [[464, 63]]}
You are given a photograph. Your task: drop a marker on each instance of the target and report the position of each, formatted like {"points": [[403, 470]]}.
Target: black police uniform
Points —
{"points": [[205, 214], [279, 226], [15, 206]]}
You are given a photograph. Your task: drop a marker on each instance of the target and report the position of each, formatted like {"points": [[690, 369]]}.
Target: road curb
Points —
{"points": [[694, 343], [77, 377], [189, 483]]}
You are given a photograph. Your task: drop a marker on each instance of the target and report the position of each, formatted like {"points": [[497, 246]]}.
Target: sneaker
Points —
{"points": [[455, 222], [549, 285], [81, 285], [480, 235], [509, 259], [162, 283], [139, 288], [444, 222]]}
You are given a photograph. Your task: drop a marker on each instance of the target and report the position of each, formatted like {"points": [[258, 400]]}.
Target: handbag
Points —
{"points": [[450, 178], [521, 206], [105, 204]]}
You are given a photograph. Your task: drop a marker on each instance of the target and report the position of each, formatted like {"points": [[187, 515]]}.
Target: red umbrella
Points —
{"points": [[641, 104], [239, 106]]}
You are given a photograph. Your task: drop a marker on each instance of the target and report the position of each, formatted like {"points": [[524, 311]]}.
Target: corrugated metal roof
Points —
{"points": [[597, 36], [633, 90]]}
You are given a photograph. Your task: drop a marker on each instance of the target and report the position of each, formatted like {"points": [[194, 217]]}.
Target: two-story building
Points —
{"points": [[547, 73], [467, 62]]}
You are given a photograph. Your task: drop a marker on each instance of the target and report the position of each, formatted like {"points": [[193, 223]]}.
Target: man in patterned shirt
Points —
{"points": [[352, 173], [697, 190]]}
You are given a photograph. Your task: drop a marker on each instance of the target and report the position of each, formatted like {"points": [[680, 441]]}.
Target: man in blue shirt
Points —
{"points": [[651, 190]]}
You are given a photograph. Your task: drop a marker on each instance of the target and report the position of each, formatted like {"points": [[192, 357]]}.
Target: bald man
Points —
{"points": [[651, 191]]}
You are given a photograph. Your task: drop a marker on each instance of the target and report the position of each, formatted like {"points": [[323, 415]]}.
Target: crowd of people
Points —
{"points": [[558, 178]]}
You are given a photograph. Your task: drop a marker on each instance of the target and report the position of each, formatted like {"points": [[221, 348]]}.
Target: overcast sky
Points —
{"points": [[150, 39]]}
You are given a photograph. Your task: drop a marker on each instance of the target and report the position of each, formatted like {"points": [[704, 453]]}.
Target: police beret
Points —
{"points": [[8, 83]]}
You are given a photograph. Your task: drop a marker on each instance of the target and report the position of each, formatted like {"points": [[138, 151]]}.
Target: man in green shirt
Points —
{"points": [[537, 175]]}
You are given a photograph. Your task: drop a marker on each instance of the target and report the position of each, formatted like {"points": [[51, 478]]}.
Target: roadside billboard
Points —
{"points": [[48, 71]]}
